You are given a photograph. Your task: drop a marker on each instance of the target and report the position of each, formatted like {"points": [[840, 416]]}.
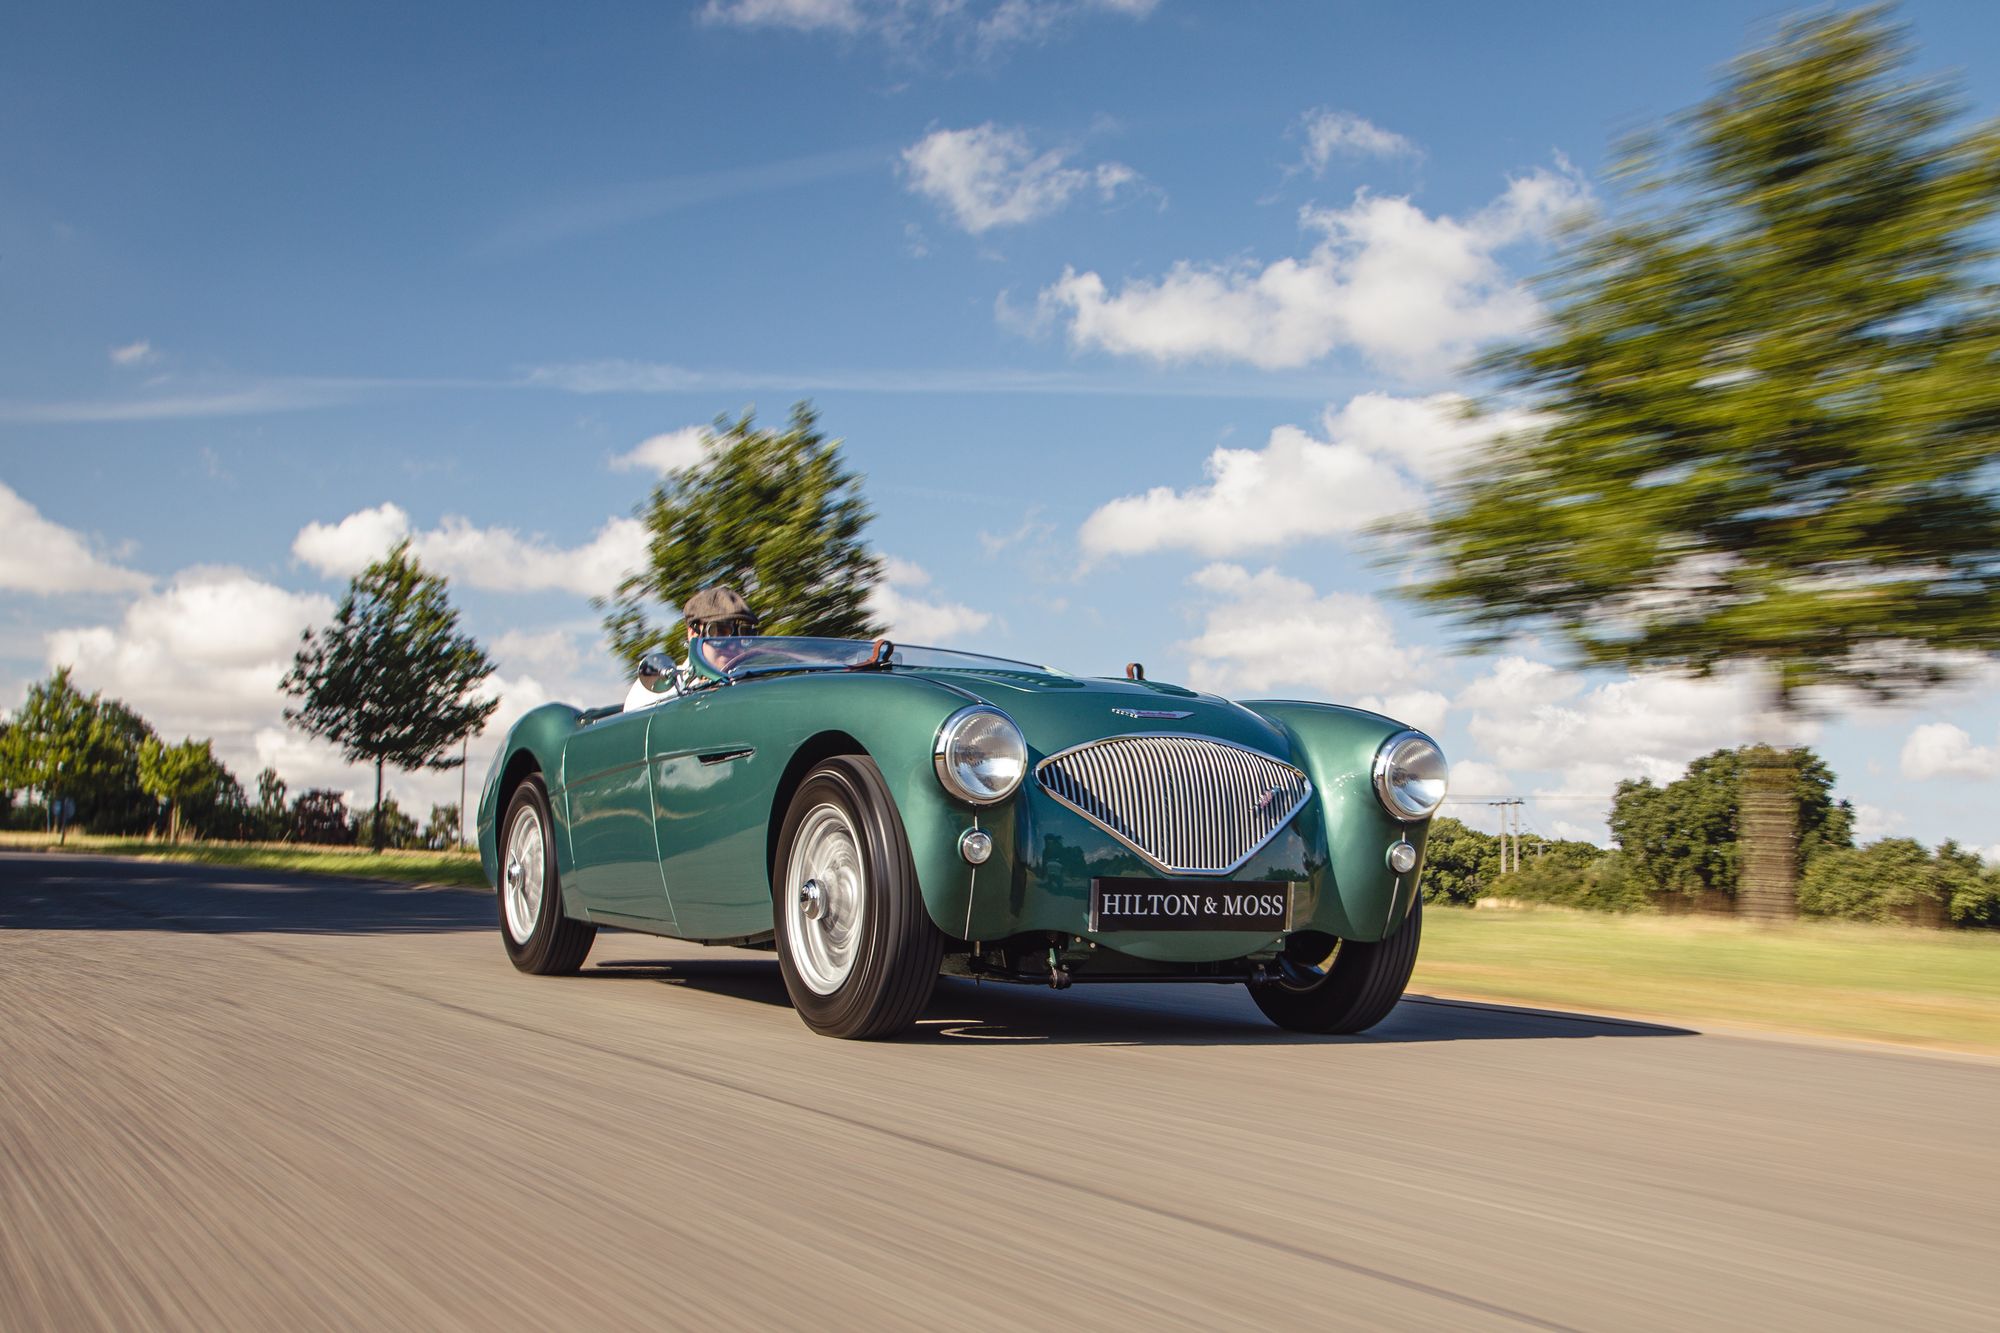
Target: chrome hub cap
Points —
{"points": [[827, 899], [525, 875], [812, 900]]}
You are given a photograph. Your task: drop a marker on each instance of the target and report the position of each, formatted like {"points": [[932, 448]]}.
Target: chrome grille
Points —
{"points": [[1188, 804]]}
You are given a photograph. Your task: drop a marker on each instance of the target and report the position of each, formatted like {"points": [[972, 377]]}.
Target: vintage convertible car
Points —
{"points": [[881, 815]]}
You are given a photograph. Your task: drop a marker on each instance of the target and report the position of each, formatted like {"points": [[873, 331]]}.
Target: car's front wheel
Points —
{"points": [[539, 938], [1350, 990], [858, 951]]}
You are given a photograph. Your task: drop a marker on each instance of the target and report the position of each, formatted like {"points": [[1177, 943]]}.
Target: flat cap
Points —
{"points": [[717, 602]]}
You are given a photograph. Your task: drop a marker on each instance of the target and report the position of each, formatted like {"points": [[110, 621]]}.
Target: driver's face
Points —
{"points": [[725, 647]]}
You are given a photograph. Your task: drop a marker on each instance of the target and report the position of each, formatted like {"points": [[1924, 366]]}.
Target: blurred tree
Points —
{"points": [[271, 820], [320, 816], [386, 826], [1973, 886], [1683, 839], [221, 810], [84, 748], [1460, 862], [116, 802], [1765, 407], [1895, 879], [442, 831], [773, 514], [391, 680], [175, 773]]}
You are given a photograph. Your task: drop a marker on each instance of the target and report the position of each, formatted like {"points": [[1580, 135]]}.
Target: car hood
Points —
{"points": [[1056, 712]]}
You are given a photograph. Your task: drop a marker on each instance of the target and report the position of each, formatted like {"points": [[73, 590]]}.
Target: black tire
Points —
{"points": [[554, 945], [1361, 986], [896, 951]]}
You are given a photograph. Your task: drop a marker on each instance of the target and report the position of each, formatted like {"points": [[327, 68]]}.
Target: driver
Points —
{"points": [[715, 612]]}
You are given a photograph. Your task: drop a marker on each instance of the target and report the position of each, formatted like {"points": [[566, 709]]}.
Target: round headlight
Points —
{"points": [[980, 755], [1410, 775]]}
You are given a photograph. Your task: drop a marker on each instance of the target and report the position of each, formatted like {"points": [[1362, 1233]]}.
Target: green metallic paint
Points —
{"points": [[712, 823]]}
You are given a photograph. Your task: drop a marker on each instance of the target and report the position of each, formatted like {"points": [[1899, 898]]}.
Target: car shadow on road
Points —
{"points": [[68, 892], [964, 1012]]}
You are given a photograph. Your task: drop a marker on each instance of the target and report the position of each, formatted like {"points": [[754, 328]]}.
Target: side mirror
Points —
{"points": [[656, 671]]}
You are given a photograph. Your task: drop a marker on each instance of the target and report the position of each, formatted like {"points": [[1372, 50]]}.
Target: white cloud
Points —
{"points": [[497, 559], [1329, 134], [1265, 631], [919, 619], [342, 549], [133, 354], [1991, 855], [1941, 750], [202, 656], [1529, 717], [988, 176], [801, 15], [1872, 822], [38, 556], [552, 650], [665, 453], [910, 25], [1412, 293], [1377, 451]]}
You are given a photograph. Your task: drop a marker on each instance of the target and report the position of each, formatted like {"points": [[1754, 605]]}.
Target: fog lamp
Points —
{"points": [[1402, 857]]}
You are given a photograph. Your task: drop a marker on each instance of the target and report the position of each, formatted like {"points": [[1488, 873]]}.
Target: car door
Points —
{"points": [[712, 791], [610, 806]]}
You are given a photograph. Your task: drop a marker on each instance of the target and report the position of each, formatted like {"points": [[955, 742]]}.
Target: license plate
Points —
{"points": [[1179, 904]]}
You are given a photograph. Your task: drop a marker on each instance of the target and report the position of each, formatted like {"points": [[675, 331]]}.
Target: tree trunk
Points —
{"points": [[1767, 850], [173, 821], [376, 821]]}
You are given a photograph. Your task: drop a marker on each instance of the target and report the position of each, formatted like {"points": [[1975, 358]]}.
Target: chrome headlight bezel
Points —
{"points": [[1394, 774], [951, 773]]}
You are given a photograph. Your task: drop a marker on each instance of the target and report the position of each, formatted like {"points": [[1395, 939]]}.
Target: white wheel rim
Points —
{"points": [[524, 875], [825, 899]]}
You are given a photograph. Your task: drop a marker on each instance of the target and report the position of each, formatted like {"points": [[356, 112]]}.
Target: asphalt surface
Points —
{"points": [[233, 1100]]}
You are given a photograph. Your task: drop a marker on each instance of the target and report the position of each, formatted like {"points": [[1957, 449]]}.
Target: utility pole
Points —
{"points": [[1510, 831]]}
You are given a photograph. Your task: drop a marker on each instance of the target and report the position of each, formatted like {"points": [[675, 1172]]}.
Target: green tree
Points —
{"points": [[319, 816], [774, 514], [178, 773], [71, 746], [1765, 405], [442, 831], [270, 818], [1683, 839], [1460, 862], [1895, 879], [391, 680], [387, 825]]}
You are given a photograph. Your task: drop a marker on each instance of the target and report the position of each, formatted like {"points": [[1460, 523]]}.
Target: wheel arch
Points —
{"points": [[816, 749]]}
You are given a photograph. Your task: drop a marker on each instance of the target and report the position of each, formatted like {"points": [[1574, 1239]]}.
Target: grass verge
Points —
{"points": [[1833, 979], [460, 868]]}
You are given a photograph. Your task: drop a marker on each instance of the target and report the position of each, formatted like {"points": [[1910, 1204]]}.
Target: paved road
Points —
{"points": [[231, 1100]]}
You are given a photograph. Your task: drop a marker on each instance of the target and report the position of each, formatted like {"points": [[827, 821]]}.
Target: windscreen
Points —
{"points": [[736, 656]]}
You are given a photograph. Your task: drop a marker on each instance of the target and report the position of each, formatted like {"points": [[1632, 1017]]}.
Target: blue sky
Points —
{"points": [[1082, 283]]}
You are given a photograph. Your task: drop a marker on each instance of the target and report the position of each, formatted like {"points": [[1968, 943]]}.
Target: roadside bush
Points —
{"points": [[320, 816], [1602, 883], [1898, 879]]}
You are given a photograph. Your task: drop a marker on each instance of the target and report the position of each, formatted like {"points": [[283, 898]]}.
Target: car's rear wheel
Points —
{"points": [[1350, 990], [539, 938], [858, 951]]}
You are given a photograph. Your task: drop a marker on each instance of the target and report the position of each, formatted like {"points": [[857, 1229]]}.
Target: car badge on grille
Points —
{"points": [[1151, 712]]}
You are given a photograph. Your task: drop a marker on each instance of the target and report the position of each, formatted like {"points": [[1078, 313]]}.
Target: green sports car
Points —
{"points": [[881, 815]]}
